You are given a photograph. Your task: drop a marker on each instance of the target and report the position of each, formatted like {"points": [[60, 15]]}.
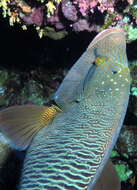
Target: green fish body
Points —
{"points": [[70, 143], [72, 151]]}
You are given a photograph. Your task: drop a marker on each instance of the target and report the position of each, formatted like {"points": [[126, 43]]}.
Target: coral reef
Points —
{"points": [[55, 19], [4, 150], [133, 102], [35, 87], [72, 15]]}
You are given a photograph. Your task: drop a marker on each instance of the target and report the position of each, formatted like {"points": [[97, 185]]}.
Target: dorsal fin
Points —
{"points": [[20, 123]]}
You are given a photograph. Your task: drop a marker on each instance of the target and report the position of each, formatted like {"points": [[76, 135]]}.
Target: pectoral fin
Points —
{"points": [[88, 77], [72, 84], [20, 123]]}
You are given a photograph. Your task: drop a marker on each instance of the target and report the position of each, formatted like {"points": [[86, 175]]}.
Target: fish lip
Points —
{"points": [[104, 34]]}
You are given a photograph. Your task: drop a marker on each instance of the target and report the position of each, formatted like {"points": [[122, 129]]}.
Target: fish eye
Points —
{"points": [[77, 101], [114, 72]]}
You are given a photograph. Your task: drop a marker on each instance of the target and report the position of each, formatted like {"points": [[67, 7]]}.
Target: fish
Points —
{"points": [[72, 148]]}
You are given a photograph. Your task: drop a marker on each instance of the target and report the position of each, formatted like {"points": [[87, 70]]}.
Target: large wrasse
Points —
{"points": [[71, 151]]}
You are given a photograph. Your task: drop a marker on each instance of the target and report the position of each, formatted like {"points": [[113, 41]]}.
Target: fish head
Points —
{"points": [[110, 50], [111, 75]]}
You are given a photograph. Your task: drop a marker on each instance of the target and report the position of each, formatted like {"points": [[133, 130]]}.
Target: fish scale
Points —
{"points": [[68, 168], [52, 163]]}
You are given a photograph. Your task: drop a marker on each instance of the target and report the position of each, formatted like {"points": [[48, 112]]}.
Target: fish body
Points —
{"points": [[71, 152]]}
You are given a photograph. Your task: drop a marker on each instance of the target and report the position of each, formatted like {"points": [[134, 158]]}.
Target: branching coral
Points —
{"points": [[70, 15]]}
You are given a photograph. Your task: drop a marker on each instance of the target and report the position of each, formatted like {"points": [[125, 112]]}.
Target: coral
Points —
{"points": [[35, 17], [69, 10], [72, 15], [82, 25], [132, 32], [51, 33], [134, 91], [124, 155], [4, 150], [123, 171], [34, 87], [50, 8], [133, 69], [127, 141]]}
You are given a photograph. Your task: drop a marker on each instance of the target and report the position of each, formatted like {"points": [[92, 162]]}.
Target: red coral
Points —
{"points": [[86, 6], [106, 5], [36, 17], [55, 20], [83, 25], [83, 6], [69, 10], [81, 14]]}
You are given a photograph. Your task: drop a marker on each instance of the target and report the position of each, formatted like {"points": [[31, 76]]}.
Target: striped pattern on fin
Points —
{"points": [[20, 123]]}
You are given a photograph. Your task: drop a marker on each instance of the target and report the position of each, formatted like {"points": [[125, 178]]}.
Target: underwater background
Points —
{"points": [[40, 41]]}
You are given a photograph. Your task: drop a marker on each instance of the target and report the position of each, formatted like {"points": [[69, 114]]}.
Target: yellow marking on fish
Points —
{"points": [[49, 114], [100, 60], [122, 70]]}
